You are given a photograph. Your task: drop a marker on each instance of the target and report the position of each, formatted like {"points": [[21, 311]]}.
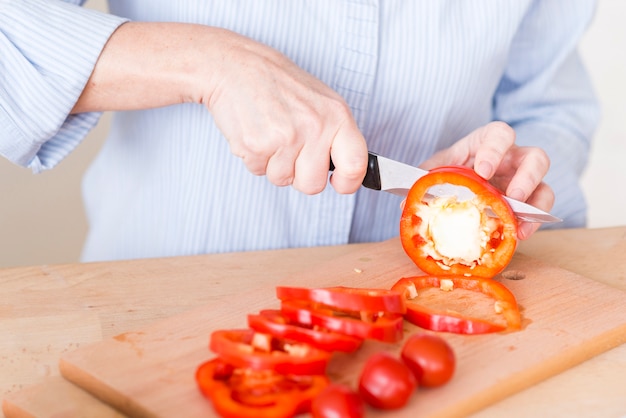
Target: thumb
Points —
{"points": [[348, 153]]}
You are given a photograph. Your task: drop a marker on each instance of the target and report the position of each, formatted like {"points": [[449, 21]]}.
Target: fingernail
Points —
{"points": [[484, 170], [517, 194]]}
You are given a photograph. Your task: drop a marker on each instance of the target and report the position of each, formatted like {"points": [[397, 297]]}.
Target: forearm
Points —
{"points": [[147, 65]]}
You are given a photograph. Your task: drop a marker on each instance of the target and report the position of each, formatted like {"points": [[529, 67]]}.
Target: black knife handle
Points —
{"points": [[372, 176]]}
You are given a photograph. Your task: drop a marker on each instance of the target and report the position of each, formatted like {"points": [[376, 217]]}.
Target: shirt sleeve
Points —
{"points": [[48, 51], [547, 97]]}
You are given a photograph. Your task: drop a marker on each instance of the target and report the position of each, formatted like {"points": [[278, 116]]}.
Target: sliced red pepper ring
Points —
{"points": [[243, 393], [273, 322], [386, 327], [246, 348], [449, 321], [347, 298], [446, 236]]}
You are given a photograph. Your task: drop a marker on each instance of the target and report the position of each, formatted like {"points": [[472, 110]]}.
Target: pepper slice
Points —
{"points": [[382, 326], [347, 298], [246, 348], [449, 321], [245, 393], [447, 236], [273, 322]]}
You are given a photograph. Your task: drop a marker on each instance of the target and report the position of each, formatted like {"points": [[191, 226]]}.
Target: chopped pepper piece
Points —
{"points": [[381, 326], [248, 349], [450, 321], [346, 298], [273, 322], [246, 393]]}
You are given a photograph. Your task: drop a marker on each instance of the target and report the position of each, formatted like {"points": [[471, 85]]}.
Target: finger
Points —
{"points": [[542, 198], [457, 154], [483, 149], [311, 168], [491, 143], [255, 164], [349, 155], [531, 165], [280, 168]]}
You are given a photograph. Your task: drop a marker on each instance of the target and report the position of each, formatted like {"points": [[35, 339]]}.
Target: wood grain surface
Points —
{"points": [[50, 310], [149, 373]]}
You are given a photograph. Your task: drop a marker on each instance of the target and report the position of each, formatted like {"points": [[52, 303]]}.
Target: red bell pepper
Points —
{"points": [[449, 321], [245, 393], [273, 322], [346, 298], [245, 348], [381, 326], [445, 236]]}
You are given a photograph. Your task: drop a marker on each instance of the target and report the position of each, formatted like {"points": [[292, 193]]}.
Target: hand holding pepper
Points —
{"points": [[518, 171]]}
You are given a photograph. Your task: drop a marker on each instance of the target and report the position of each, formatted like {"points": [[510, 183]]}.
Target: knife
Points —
{"points": [[397, 178]]}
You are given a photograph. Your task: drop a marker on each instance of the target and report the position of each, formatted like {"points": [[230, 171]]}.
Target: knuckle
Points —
{"points": [[354, 169], [502, 130], [279, 178], [542, 156], [282, 136], [279, 174], [255, 166]]}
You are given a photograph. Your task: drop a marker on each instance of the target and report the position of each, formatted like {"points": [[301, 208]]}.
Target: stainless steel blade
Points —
{"points": [[398, 178]]}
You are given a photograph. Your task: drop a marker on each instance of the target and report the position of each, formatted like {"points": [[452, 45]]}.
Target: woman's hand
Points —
{"points": [[518, 171], [283, 122]]}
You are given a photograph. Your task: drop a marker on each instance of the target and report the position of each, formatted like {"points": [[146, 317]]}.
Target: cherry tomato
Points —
{"points": [[430, 358], [386, 382], [337, 401]]}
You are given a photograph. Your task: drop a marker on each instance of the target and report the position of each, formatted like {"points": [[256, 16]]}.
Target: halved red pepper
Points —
{"points": [[242, 348], [381, 326], [446, 236], [273, 322], [346, 298], [246, 393], [449, 321]]}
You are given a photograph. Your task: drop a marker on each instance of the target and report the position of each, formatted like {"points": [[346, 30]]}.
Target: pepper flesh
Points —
{"points": [[447, 321], [383, 326], [346, 298], [245, 393], [236, 347], [487, 216], [272, 321]]}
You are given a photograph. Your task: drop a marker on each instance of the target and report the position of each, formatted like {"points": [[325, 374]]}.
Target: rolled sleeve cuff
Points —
{"points": [[49, 52]]}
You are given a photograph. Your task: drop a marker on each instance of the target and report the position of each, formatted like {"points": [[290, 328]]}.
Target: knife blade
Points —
{"points": [[397, 178]]}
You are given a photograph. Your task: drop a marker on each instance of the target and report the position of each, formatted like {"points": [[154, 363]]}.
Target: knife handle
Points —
{"points": [[372, 175]]}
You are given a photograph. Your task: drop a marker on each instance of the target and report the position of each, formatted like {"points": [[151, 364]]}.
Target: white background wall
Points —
{"points": [[42, 220]]}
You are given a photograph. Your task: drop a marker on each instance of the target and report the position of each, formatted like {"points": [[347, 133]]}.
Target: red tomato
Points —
{"points": [[337, 401], [430, 358], [386, 382]]}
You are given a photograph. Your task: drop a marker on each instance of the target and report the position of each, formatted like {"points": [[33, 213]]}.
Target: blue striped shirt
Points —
{"points": [[418, 75]]}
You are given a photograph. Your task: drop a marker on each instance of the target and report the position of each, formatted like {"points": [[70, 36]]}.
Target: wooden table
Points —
{"points": [[48, 310]]}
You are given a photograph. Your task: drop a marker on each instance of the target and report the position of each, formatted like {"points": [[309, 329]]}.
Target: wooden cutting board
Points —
{"points": [[568, 319]]}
